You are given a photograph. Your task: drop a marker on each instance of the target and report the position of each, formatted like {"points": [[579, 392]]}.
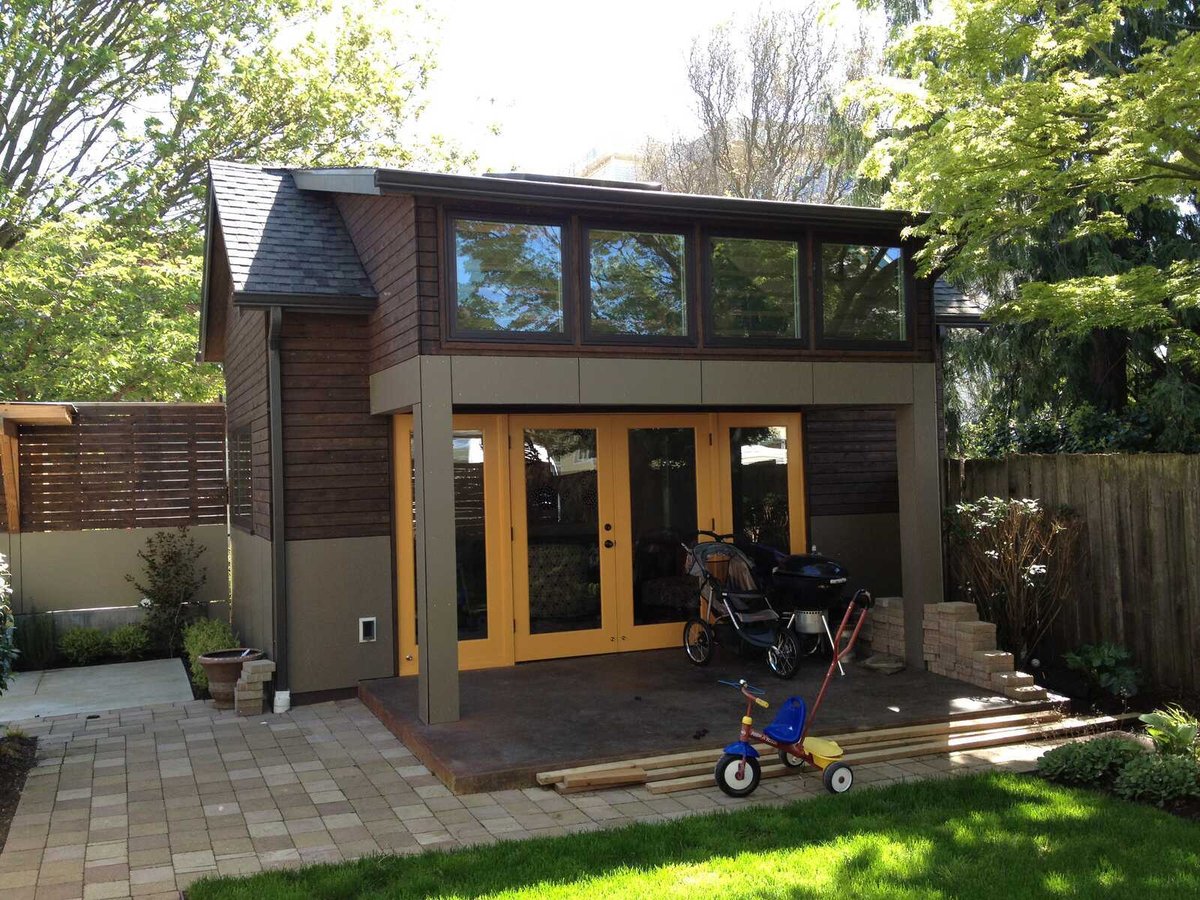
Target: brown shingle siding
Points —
{"points": [[384, 231], [246, 397], [850, 461], [336, 455]]}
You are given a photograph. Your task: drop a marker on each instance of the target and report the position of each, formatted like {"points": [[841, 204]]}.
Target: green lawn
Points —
{"points": [[993, 835]]}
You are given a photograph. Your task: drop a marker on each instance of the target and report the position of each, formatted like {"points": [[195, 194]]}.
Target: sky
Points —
{"points": [[563, 79]]}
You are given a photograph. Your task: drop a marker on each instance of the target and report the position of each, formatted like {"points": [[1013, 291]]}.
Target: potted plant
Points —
{"points": [[224, 668]]}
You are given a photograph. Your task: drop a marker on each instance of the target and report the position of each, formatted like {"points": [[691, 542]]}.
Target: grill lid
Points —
{"points": [[814, 566]]}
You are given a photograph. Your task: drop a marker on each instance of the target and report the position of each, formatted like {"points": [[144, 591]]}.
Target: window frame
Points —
{"points": [[907, 294], [453, 332], [636, 226], [238, 477], [803, 285]]}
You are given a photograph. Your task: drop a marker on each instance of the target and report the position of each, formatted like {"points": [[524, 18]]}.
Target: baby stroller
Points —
{"points": [[733, 608]]}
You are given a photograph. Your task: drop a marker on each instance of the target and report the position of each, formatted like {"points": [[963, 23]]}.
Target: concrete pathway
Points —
{"points": [[88, 689], [144, 801]]}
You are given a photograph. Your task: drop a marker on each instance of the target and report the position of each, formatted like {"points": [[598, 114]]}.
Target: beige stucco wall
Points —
{"points": [[331, 584], [868, 545], [54, 570], [251, 557]]}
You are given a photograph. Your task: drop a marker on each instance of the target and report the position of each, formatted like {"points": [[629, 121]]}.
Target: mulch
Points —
{"points": [[17, 756]]}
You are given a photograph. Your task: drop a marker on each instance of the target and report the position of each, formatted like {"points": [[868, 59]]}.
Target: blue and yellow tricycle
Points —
{"points": [[738, 771]]}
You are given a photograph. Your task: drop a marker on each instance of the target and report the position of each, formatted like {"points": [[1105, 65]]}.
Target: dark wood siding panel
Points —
{"points": [[850, 461], [384, 232], [3, 509], [429, 282], [246, 395], [335, 453]]}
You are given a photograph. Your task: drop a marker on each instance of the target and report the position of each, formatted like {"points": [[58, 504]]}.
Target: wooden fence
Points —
{"points": [[1139, 572], [124, 466]]}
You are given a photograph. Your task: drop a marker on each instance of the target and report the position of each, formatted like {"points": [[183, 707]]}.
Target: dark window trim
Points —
{"points": [[450, 281], [241, 476], [865, 239], [690, 304], [800, 239]]}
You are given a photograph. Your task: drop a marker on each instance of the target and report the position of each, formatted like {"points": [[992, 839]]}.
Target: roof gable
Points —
{"points": [[285, 245]]}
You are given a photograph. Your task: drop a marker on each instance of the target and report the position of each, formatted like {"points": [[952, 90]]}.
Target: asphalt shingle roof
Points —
{"points": [[950, 305], [281, 240]]}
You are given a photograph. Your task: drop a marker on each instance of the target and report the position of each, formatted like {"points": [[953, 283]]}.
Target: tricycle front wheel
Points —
{"points": [[732, 783], [838, 778]]}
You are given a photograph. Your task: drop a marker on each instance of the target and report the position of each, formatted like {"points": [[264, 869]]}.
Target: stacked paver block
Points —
{"points": [[249, 693], [884, 628], [960, 646]]}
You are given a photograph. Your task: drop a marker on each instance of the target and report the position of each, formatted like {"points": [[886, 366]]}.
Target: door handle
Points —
{"points": [[609, 544]]}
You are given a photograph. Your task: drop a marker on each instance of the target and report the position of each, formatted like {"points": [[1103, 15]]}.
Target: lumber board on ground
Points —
{"points": [[873, 737], [929, 748]]}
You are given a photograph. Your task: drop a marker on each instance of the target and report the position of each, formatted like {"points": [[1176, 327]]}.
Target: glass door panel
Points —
{"points": [[762, 479], [662, 493], [470, 535], [562, 536]]}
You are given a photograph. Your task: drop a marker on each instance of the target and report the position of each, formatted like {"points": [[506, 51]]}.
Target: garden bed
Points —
{"points": [[17, 756]]}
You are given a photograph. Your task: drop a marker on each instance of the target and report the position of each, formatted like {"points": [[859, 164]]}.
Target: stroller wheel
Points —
{"points": [[698, 641], [784, 655], [733, 783], [838, 778]]}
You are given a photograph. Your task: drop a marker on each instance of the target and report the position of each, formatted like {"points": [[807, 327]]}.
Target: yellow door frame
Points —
{"points": [[497, 648], [647, 637], [797, 499], [506, 533], [550, 645]]}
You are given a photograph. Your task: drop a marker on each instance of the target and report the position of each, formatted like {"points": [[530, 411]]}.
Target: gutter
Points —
{"points": [[283, 694]]}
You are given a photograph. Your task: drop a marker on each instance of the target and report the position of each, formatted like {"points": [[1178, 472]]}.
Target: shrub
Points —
{"points": [[83, 646], [1091, 762], [205, 636], [1015, 561], [8, 647], [1173, 730], [129, 642], [37, 640], [1154, 778], [169, 583], [1107, 667]]}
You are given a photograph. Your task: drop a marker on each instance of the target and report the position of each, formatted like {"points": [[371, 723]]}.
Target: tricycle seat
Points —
{"points": [[789, 721]]}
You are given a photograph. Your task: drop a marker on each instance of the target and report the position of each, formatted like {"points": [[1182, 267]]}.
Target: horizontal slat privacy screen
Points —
{"points": [[125, 466]]}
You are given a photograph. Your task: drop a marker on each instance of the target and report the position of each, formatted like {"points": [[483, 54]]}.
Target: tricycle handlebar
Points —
{"points": [[749, 691]]}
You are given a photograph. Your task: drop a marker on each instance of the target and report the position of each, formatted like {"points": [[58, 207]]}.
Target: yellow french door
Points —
{"points": [[662, 470], [760, 461], [564, 537], [481, 505]]}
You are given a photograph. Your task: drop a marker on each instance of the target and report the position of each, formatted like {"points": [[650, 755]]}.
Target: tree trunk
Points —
{"points": [[1108, 369]]}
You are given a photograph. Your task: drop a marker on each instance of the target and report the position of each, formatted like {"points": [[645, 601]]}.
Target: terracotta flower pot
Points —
{"points": [[224, 668]]}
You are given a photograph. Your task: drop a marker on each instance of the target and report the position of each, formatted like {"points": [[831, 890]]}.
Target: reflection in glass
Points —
{"points": [[637, 283], [862, 293], [759, 479], [562, 516], [470, 537], [509, 277], [662, 503], [755, 288]]}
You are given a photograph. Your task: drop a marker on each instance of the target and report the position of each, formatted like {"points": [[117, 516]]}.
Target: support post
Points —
{"points": [[920, 507], [10, 466], [433, 495]]}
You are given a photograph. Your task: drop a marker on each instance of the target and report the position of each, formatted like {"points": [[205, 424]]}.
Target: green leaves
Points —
{"points": [[93, 312]]}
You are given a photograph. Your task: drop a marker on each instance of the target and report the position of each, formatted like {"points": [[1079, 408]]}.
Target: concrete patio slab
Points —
{"points": [[88, 689]]}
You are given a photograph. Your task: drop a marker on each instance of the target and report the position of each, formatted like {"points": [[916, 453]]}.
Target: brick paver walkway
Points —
{"points": [[142, 802]]}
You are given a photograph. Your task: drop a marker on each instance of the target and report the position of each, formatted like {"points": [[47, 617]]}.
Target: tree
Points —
{"points": [[768, 123], [110, 112], [1051, 140], [101, 312]]}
